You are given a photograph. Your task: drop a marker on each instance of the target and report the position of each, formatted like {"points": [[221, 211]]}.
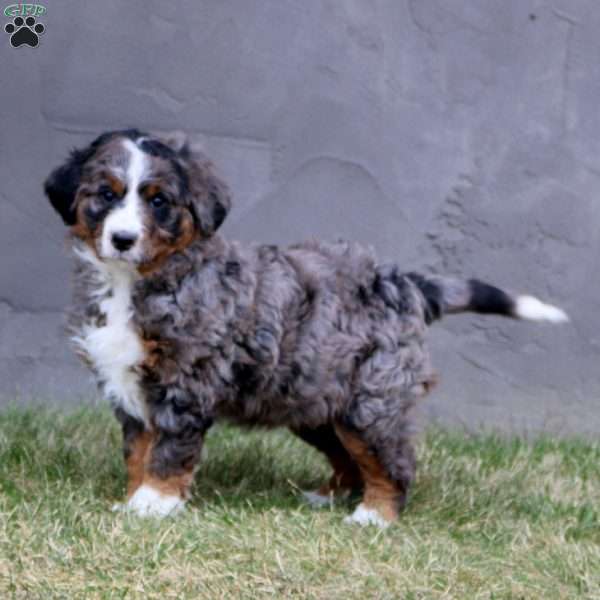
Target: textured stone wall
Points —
{"points": [[458, 136]]}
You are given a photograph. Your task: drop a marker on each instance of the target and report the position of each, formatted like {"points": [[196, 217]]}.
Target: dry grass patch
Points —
{"points": [[489, 518]]}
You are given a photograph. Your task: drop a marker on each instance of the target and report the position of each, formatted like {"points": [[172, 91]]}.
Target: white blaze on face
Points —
{"points": [[127, 218]]}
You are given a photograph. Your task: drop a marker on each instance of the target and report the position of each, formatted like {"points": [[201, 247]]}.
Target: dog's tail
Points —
{"points": [[446, 295]]}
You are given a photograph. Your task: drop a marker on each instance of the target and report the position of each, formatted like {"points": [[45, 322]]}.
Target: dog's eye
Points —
{"points": [[107, 194], [158, 201]]}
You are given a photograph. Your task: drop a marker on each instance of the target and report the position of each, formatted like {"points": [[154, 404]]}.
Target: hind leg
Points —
{"points": [[376, 426], [345, 478], [387, 466]]}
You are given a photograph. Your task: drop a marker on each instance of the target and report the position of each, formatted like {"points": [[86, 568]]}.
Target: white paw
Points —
{"points": [[366, 516], [148, 502], [317, 500]]}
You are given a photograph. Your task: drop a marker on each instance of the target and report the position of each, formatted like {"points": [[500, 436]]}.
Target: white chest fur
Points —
{"points": [[115, 349]]}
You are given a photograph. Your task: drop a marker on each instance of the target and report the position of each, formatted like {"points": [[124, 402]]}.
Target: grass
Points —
{"points": [[490, 517]]}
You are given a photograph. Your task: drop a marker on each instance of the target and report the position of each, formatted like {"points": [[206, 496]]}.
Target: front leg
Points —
{"points": [[137, 441], [161, 460]]}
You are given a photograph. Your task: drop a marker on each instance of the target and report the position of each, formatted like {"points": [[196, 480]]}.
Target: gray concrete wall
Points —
{"points": [[461, 136]]}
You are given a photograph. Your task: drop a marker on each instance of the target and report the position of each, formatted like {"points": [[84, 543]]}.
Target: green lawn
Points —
{"points": [[489, 518]]}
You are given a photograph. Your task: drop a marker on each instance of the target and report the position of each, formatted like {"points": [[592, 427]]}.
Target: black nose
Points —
{"points": [[123, 240]]}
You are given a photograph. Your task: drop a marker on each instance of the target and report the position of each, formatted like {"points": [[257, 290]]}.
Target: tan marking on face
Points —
{"points": [[130, 173], [108, 161], [380, 492], [82, 231], [151, 190], [116, 185], [160, 244]]}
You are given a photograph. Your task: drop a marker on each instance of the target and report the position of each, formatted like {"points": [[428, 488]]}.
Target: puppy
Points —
{"points": [[182, 327]]}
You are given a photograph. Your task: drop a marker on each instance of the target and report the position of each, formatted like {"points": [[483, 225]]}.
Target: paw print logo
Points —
{"points": [[24, 31]]}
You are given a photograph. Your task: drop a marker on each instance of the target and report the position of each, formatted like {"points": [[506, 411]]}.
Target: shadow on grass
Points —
{"points": [[42, 448], [463, 481]]}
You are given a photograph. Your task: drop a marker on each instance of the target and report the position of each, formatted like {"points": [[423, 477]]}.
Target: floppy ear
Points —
{"points": [[210, 197], [61, 185]]}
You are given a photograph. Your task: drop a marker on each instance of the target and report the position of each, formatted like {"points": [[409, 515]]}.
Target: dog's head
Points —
{"points": [[136, 198]]}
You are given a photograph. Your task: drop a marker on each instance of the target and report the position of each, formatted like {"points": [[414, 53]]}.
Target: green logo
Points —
{"points": [[25, 30], [24, 10]]}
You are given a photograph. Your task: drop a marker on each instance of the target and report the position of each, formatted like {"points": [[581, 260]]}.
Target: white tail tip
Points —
{"points": [[532, 309]]}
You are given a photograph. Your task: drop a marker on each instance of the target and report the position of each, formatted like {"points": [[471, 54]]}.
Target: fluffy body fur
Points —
{"points": [[182, 327]]}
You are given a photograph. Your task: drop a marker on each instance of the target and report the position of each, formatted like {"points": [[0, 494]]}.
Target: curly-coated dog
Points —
{"points": [[182, 327]]}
